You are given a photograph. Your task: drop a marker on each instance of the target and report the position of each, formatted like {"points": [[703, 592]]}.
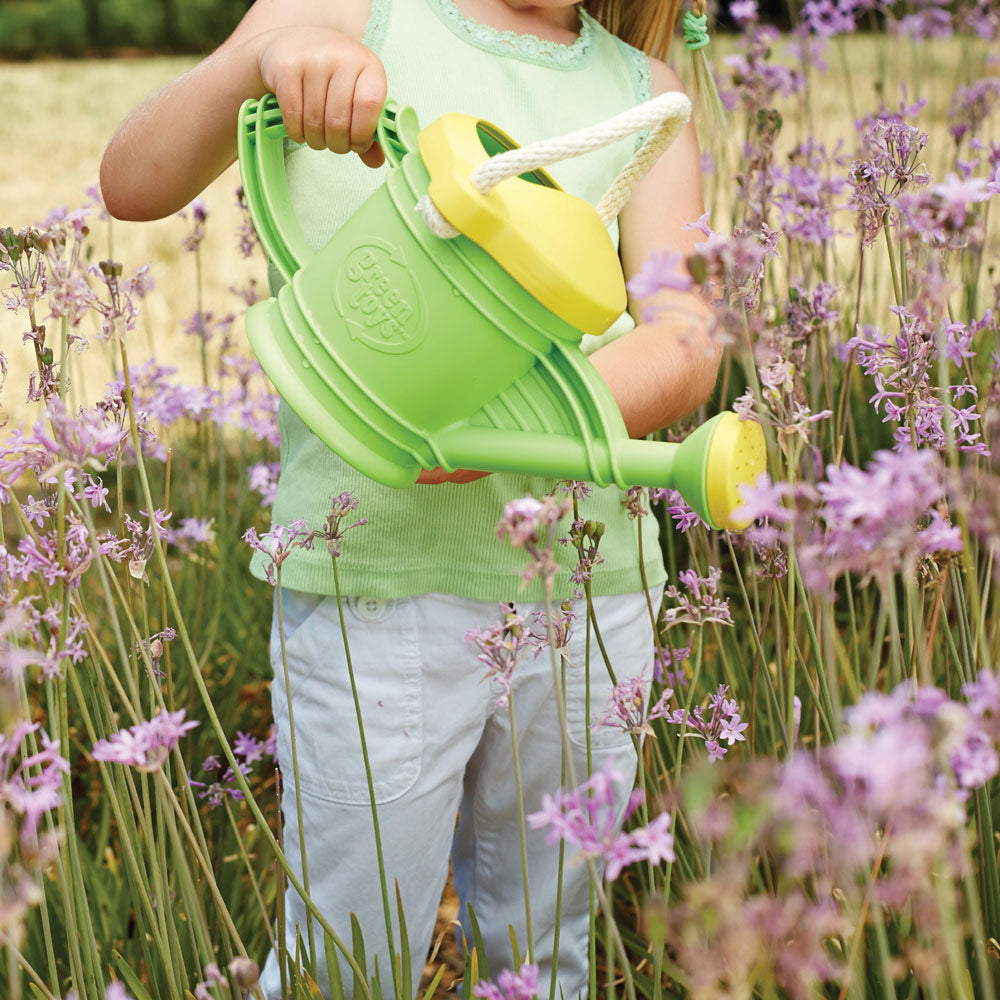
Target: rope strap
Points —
{"points": [[665, 115]]}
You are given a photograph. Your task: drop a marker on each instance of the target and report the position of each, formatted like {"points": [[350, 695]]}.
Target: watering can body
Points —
{"points": [[404, 351]]}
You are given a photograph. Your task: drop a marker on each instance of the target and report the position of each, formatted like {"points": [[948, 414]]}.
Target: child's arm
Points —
{"points": [[665, 368], [308, 52]]}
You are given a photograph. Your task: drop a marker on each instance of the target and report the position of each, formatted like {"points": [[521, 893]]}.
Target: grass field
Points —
{"points": [[70, 108], [790, 645]]}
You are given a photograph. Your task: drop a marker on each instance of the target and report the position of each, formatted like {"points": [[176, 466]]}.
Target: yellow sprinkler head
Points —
{"points": [[736, 457]]}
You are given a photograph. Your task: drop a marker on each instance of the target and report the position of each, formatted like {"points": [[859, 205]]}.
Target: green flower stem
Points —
{"points": [[595, 879], [522, 831], [253, 878], [562, 843], [896, 281], [15, 959], [295, 763], [128, 838], [165, 787], [695, 677], [371, 784], [215, 722]]}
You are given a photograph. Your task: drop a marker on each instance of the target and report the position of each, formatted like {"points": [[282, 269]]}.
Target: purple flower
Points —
{"points": [[146, 745], [587, 818], [530, 524], [522, 985], [722, 722], [703, 605], [250, 749], [263, 479], [626, 708], [341, 506], [659, 272], [501, 648], [216, 790], [278, 544]]}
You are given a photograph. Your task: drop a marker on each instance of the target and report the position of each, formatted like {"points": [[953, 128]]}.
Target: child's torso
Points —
{"points": [[441, 538]]}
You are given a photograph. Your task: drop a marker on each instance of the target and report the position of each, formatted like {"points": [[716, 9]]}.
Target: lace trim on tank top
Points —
{"points": [[529, 48], [378, 21], [641, 77]]}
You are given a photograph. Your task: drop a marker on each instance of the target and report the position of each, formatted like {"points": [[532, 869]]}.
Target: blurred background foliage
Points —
{"points": [[78, 27], [30, 28]]}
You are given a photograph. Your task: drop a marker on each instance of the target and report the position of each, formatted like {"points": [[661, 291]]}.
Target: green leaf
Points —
{"points": [[129, 977], [405, 978], [434, 983], [358, 946], [515, 949], [477, 943], [333, 969]]}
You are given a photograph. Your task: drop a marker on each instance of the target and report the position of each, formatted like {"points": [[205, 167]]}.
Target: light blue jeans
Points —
{"points": [[439, 746]]}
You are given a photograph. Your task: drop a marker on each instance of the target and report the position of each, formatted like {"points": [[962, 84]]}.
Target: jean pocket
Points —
{"points": [[387, 673]]}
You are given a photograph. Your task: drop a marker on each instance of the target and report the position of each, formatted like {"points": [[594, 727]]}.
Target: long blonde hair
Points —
{"points": [[646, 24]]}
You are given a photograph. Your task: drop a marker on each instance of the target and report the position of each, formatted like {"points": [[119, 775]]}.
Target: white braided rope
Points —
{"points": [[666, 114]]}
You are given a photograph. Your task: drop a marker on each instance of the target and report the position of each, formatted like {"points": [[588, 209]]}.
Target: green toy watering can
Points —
{"points": [[441, 324]]}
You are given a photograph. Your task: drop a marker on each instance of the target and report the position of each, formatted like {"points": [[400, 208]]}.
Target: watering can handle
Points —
{"points": [[665, 115], [261, 152]]}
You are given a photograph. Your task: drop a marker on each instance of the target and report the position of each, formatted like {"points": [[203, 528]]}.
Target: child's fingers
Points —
{"points": [[339, 112], [314, 106], [369, 97], [288, 90]]}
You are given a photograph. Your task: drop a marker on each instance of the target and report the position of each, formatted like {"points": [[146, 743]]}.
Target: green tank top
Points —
{"points": [[442, 539]]}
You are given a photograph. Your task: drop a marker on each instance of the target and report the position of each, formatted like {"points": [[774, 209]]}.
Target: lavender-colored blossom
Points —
{"points": [[755, 79], [30, 784], [145, 746], [626, 708], [342, 507], [721, 722], [278, 544], [263, 480], [531, 524], [660, 272], [667, 661], [701, 604], [248, 748], [587, 818], [199, 216], [889, 163], [501, 647], [520, 985], [221, 785], [904, 372]]}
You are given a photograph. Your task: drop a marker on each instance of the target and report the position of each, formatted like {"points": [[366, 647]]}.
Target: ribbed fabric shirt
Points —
{"points": [[443, 539]]}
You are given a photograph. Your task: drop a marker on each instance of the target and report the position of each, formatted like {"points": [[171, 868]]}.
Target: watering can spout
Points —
{"points": [[709, 468]]}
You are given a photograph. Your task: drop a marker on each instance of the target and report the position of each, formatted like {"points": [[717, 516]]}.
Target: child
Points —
{"points": [[428, 566]]}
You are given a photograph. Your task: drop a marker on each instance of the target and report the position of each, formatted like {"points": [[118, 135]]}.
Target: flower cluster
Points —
{"points": [[146, 745], [588, 818], [501, 647], [531, 524], [520, 985], [721, 722], [627, 709], [877, 521]]}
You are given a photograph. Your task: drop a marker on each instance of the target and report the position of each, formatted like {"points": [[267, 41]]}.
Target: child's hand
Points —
{"points": [[330, 88]]}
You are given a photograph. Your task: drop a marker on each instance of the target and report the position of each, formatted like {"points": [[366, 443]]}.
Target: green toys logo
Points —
{"points": [[378, 299]]}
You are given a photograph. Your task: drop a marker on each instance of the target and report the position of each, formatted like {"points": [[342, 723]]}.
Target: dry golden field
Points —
{"points": [[70, 108]]}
